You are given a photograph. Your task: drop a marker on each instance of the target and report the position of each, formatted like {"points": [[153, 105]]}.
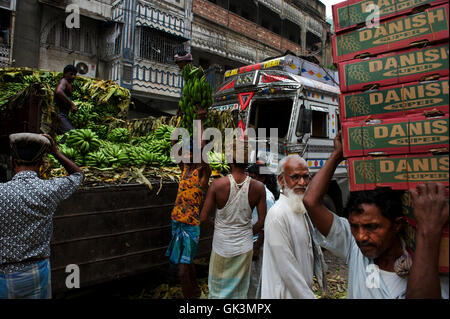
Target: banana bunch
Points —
{"points": [[68, 152], [149, 158], [165, 160], [218, 163], [115, 155], [163, 132], [84, 115], [160, 146], [83, 140], [142, 140], [134, 155], [8, 90], [79, 159], [140, 156], [54, 163], [118, 135], [29, 79], [99, 129], [96, 159], [197, 92]]}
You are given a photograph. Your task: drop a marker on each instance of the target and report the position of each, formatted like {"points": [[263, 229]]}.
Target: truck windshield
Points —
{"points": [[271, 114]]}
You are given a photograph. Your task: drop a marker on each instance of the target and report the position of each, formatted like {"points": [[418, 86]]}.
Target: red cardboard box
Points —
{"points": [[400, 172], [417, 134], [352, 14], [396, 101], [431, 25], [394, 68]]}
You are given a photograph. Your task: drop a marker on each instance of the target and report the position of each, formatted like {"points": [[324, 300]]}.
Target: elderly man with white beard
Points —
{"points": [[291, 256]]}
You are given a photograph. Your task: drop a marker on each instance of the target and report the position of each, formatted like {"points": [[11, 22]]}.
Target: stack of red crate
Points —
{"points": [[394, 103]]}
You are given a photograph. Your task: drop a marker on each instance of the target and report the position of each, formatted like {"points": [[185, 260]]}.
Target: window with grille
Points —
{"points": [[157, 47], [77, 39]]}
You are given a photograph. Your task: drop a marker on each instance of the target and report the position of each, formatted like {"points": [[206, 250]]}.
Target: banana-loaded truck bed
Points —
{"points": [[110, 231]]}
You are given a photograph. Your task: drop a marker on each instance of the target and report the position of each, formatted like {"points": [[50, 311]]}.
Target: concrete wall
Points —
{"points": [[223, 18], [56, 58], [26, 34]]}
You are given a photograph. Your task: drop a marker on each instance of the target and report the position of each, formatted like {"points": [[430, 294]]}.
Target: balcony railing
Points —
{"points": [[155, 79], [4, 56], [152, 16]]}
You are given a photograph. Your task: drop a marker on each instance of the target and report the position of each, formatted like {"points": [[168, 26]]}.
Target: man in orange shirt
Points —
{"points": [[186, 214]]}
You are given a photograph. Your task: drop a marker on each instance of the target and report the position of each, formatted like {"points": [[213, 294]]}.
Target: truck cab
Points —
{"points": [[292, 103]]}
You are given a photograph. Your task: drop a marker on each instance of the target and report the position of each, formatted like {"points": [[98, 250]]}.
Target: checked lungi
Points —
{"points": [[34, 282], [229, 278]]}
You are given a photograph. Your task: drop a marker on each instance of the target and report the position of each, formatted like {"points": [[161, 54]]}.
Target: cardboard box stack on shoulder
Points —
{"points": [[394, 103]]}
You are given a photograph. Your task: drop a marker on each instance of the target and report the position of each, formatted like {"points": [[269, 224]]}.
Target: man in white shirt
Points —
{"points": [[369, 241], [288, 260]]}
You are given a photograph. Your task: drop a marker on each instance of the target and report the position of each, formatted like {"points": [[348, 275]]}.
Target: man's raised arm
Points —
{"points": [[431, 212], [320, 216]]}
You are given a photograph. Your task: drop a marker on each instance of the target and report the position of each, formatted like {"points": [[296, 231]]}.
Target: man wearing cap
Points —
{"points": [[63, 98], [27, 206], [235, 196]]}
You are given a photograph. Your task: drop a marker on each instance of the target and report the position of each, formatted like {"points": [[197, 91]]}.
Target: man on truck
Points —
{"points": [[27, 206], [63, 99], [379, 265], [186, 214]]}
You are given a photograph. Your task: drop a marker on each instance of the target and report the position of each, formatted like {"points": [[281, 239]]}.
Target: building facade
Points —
{"points": [[230, 33], [132, 42]]}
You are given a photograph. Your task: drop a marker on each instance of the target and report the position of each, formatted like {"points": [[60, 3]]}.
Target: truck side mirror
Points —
{"points": [[304, 121]]}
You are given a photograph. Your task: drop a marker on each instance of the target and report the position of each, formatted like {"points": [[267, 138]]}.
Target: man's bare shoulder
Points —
{"points": [[220, 182], [63, 82], [257, 186]]}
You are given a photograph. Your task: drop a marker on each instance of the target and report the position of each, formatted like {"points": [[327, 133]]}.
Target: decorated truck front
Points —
{"points": [[289, 102]]}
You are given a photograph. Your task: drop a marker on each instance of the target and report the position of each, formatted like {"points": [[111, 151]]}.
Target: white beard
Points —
{"points": [[295, 201]]}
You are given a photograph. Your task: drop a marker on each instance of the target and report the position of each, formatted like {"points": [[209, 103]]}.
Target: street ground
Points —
{"points": [[163, 283]]}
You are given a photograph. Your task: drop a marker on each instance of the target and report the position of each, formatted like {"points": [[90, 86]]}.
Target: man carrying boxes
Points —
{"points": [[394, 106], [380, 267]]}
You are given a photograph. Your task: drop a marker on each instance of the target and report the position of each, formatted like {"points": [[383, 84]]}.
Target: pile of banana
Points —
{"points": [[197, 93], [104, 138], [218, 163], [99, 102]]}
